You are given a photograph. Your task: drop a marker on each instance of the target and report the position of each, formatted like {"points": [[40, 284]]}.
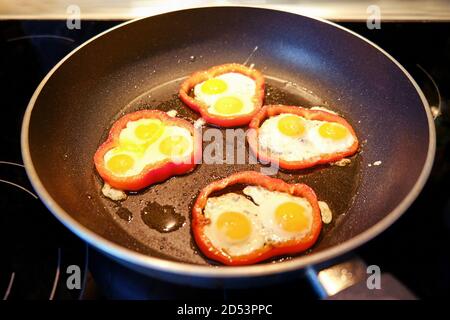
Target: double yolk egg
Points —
{"points": [[228, 94], [240, 226], [294, 138]]}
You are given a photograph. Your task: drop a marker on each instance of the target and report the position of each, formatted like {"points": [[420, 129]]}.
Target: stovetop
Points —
{"points": [[43, 260]]}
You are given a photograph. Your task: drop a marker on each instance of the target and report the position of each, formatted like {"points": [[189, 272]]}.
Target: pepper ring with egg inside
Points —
{"points": [[280, 219], [146, 147], [227, 95]]}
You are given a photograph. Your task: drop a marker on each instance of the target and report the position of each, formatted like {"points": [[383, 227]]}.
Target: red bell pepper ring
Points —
{"points": [[199, 221], [202, 108], [273, 110], [154, 172]]}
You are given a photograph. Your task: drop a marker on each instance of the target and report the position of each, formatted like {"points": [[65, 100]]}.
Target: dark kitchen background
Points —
{"points": [[37, 250]]}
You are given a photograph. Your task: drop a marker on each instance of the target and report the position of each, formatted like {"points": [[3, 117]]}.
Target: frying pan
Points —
{"points": [[306, 61]]}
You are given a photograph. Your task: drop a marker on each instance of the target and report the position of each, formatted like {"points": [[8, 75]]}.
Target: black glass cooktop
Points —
{"points": [[39, 254]]}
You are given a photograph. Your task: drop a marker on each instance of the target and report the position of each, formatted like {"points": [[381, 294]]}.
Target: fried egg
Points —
{"points": [[294, 138], [283, 216], [147, 141], [235, 227], [240, 226], [228, 94]]}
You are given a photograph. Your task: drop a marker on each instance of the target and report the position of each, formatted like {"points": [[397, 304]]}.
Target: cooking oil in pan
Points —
{"points": [[124, 214], [161, 218]]}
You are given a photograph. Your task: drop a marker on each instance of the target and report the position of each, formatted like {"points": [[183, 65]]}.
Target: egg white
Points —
{"points": [[233, 202], [310, 145], [238, 85], [268, 202], [151, 154]]}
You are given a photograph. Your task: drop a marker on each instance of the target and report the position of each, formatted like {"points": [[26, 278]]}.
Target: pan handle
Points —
{"points": [[351, 279]]}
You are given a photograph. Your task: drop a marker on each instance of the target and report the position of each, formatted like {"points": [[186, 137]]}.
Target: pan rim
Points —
{"points": [[185, 269]]}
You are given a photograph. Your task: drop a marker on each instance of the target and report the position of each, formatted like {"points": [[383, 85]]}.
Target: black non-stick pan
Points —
{"points": [[307, 62]]}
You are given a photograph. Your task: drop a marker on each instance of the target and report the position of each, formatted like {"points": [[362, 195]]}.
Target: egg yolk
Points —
{"points": [[120, 163], [228, 105], [235, 225], [214, 86], [148, 132], [291, 126], [333, 131], [291, 217], [174, 146]]}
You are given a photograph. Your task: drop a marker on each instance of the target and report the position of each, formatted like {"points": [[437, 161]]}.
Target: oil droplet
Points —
{"points": [[194, 247], [161, 218], [125, 214], [192, 58]]}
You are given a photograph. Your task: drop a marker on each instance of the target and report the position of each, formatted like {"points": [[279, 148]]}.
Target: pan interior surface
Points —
{"points": [[159, 216], [140, 65]]}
